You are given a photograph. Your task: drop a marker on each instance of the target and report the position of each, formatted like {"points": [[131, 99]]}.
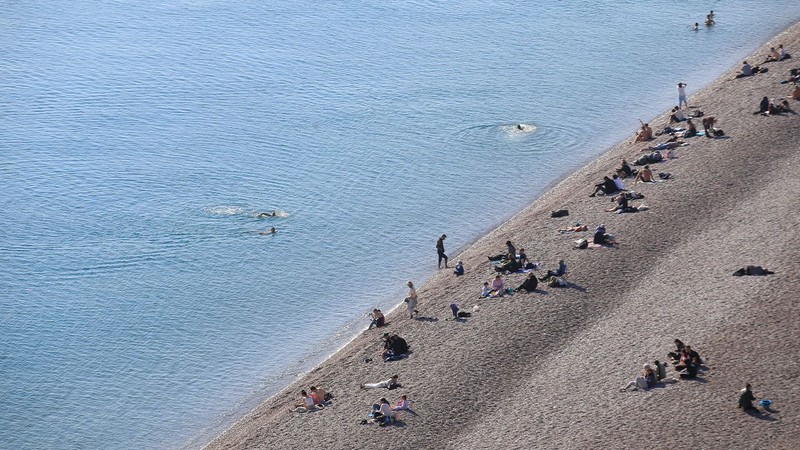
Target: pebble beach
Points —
{"points": [[544, 369]]}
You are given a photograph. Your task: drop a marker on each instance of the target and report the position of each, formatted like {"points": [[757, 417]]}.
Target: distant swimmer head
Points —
{"points": [[270, 230], [520, 127]]}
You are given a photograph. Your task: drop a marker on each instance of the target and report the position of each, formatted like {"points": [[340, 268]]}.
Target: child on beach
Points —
{"points": [[459, 270], [486, 292]]}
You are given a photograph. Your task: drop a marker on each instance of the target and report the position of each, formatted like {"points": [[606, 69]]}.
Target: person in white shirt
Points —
{"points": [[682, 95]]}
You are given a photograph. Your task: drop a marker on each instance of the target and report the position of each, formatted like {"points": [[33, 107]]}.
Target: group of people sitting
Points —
{"points": [[394, 347], [384, 414], [686, 360], [608, 186], [769, 107], [496, 289], [313, 400]]}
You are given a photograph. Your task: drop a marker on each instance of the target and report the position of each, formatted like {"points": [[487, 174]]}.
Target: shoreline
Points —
{"points": [[533, 229]]}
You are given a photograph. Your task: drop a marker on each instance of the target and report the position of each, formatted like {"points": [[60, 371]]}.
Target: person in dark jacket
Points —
{"points": [[746, 399]]}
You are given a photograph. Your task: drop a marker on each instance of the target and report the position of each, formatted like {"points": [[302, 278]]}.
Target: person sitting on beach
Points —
{"points": [[578, 227], [560, 272], [763, 106], [305, 404], [394, 347], [402, 404], [782, 54], [601, 237], [486, 291], [773, 55], [618, 182], [645, 380], [319, 394], [498, 287], [624, 169], [708, 126], [691, 129], [676, 355], [746, 70], [661, 370], [606, 187], [459, 270], [622, 203], [411, 299], [645, 175], [508, 264], [381, 412], [677, 115], [783, 107], [390, 384], [522, 258], [378, 320], [644, 134], [511, 250], [530, 284], [746, 398]]}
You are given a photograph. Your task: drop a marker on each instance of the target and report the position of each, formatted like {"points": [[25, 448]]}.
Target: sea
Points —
{"points": [[143, 306]]}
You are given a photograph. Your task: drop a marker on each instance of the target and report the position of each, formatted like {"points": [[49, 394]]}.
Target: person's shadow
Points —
{"points": [[426, 319], [761, 415]]}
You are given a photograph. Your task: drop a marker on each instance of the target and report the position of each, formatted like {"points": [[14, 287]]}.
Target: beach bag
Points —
{"points": [[582, 244], [559, 213], [717, 132], [328, 397]]}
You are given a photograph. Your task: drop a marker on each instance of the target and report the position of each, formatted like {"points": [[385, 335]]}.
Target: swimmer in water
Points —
{"points": [[266, 214], [270, 230], [520, 127], [709, 20], [696, 26]]}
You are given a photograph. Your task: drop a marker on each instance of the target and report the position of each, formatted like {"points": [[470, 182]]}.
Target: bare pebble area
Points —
{"points": [[544, 370]]}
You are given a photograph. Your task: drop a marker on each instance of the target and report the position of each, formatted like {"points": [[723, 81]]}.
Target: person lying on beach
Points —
{"points": [[390, 384], [560, 272], [645, 380], [457, 313], [577, 227], [624, 170], [530, 284], [645, 175], [498, 287], [677, 115], [601, 237], [378, 320], [746, 399], [606, 187], [270, 230], [645, 134], [459, 270], [305, 404], [773, 55], [411, 299]]}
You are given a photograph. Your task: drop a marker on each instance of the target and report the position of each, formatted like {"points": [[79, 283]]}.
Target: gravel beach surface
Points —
{"points": [[544, 369]]}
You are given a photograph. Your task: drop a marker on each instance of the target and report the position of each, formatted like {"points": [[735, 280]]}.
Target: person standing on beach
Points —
{"points": [[440, 251], [682, 95], [411, 299]]}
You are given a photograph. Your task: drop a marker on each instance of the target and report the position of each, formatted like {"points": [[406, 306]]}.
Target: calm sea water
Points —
{"points": [[139, 306]]}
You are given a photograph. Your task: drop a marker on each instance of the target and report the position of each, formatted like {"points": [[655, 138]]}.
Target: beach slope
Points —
{"points": [[544, 370]]}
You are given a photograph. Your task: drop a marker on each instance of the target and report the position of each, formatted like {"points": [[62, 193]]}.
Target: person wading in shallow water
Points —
{"points": [[440, 251]]}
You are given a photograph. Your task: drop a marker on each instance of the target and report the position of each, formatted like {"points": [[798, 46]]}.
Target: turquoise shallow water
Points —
{"points": [[140, 308]]}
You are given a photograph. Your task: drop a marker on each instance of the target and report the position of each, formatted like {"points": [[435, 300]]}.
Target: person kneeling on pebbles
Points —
{"points": [[381, 412]]}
